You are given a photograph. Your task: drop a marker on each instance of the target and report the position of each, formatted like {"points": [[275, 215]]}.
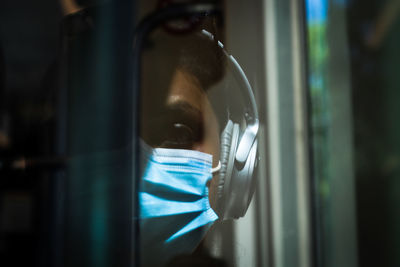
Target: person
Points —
{"points": [[180, 129]]}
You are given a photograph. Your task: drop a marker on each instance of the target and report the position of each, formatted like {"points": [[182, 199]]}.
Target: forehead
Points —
{"points": [[185, 87], [165, 78]]}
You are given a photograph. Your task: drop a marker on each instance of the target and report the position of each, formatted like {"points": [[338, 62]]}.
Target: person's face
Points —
{"points": [[175, 110]]}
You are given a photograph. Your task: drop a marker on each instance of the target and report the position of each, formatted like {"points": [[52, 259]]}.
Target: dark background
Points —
{"points": [[29, 45], [375, 97], [65, 90]]}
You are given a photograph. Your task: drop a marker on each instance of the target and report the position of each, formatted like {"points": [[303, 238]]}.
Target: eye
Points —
{"points": [[179, 135]]}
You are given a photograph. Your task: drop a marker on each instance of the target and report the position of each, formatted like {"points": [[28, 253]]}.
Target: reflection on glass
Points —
{"points": [[318, 50], [189, 148]]}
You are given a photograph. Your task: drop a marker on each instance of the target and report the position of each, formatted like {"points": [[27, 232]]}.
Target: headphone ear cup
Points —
{"points": [[229, 140], [242, 185], [236, 181]]}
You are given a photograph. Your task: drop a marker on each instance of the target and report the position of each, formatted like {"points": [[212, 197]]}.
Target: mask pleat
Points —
{"points": [[156, 206], [202, 220], [175, 210]]}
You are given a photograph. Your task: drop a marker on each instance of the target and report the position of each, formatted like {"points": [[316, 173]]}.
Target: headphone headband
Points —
{"points": [[252, 121]]}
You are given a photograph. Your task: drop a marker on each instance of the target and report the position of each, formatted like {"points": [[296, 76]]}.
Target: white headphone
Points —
{"points": [[238, 154]]}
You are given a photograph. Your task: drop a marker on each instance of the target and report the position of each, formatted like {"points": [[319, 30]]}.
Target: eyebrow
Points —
{"points": [[186, 107]]}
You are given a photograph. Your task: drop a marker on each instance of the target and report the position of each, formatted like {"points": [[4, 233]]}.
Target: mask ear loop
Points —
{"points": [[216, 169]]}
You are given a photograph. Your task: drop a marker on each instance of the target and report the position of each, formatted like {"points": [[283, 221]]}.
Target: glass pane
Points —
{"points": [[124, 143]]}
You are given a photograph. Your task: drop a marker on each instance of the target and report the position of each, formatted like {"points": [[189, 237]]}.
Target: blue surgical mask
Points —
{"points": [[175, 211]]}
